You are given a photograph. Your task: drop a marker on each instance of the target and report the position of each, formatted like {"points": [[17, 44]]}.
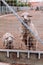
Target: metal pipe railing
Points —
{"points": [[20, 20]]}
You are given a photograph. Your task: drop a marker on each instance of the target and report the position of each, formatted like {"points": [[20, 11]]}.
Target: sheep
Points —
{"points": [[8, 40], [27, 37]]}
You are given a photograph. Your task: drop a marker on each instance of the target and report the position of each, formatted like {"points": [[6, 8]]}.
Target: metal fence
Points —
{"points": [[22, 51], [5, 10]]}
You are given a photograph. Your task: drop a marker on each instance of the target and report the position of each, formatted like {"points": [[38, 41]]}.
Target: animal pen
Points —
{"points": [[11, 30]]}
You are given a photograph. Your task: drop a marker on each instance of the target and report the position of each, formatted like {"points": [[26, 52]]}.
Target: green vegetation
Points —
{"points": [[12, 2], [22, 4], [15, 3]]}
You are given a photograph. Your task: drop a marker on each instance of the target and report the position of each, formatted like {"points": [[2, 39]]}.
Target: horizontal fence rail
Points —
{"points": [[5, 9], [21, 51]]}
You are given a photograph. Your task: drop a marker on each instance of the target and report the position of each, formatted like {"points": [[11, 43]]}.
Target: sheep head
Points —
{"points": [[8, 40]]}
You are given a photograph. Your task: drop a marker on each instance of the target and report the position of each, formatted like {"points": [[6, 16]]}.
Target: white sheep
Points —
{"points": [[8, 40]]}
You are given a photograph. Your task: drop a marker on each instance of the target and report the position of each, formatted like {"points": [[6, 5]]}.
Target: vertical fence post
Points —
{"points": [[39, 56], [17, 54], [8, 54], [28, 55]]}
